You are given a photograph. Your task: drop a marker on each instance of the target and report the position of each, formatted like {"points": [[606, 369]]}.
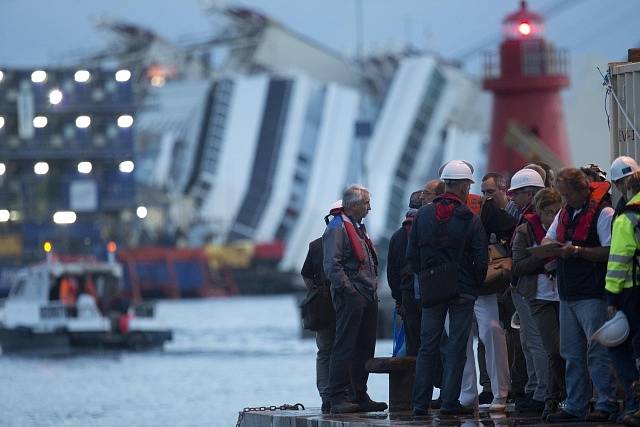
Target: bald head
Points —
{"points": [[432, 189]]}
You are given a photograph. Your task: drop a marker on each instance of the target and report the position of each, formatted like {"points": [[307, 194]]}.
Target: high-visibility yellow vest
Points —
{"points": [[625, 244]]}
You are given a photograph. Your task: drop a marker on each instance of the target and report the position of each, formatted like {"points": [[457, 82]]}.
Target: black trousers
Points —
{"points": [[412, 318], [354, 344], [517, 363]]}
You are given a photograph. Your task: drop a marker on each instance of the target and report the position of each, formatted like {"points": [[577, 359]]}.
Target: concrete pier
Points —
{"points": [[314, 418]]}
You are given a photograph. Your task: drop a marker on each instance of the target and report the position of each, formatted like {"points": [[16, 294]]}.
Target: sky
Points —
{"points": [[42, 32]]}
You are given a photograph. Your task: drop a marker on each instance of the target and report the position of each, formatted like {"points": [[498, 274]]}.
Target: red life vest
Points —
{"points": [[597, 193], [354, 239], [474, 203], [536, 225]]}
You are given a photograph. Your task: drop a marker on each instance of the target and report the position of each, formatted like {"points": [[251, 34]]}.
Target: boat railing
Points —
{"points": [[57, 311]]}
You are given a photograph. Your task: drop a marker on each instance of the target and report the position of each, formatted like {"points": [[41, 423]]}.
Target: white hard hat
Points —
{"points": [[526, 178], [623, 166], [614, 331], [457, 170]]}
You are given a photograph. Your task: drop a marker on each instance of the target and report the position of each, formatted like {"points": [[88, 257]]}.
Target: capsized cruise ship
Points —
{"points": [[257, 148]]}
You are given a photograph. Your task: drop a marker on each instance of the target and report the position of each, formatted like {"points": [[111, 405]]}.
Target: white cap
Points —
{"points": [[623, 166], [457, 170], [614, 331], [526, 178]]}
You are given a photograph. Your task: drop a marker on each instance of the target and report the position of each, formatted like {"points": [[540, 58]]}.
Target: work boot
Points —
{"points": [[344, 407], [550, 407], [436, 403], [563, 417], [459, 410], [485, 397], [368, 405], [531, 406]]}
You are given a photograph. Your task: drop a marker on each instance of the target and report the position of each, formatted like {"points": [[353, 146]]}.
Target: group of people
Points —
{"points": [[546, 329]]}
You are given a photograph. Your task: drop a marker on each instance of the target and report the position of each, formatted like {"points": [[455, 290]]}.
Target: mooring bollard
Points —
{"points": [[402, 373]]}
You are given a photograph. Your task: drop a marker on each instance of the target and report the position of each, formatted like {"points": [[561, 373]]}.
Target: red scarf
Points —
{"points": [[597, 192], [536, 225], [444, 211]]}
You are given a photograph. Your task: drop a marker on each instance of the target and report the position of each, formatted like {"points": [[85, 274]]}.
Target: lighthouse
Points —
{"points": [[526, 79]]}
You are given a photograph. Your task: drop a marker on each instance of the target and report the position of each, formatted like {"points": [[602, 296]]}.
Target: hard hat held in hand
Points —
{"points": [[457, 170], [526, 178], [614, 331], [623, 166]]}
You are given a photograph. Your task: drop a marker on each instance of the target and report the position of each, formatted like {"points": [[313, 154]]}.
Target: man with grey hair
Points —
{"points": [[351, 265]]}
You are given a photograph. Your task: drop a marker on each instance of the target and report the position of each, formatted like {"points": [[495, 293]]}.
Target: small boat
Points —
{"points": [[58, 306]]}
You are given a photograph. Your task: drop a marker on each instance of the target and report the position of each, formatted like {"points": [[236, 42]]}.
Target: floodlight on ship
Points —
{"points": [[125, 121], [40, 122], [141, 212], [64, 217], [55, 97], [5, 215], [82, 76], [39, 76], [83, 122], [123, 76], [41, 168], [126, 166], [85, 167]]}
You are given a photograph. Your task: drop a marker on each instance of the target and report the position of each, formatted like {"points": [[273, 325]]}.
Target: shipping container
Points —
{"points": [[624, 103]]}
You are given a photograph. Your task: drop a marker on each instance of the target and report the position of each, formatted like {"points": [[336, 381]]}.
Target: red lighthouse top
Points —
{"points": [[523, 24], [526, 60]]}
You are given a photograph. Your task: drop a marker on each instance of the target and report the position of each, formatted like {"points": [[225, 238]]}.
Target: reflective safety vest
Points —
{"points": [[625, 245]]}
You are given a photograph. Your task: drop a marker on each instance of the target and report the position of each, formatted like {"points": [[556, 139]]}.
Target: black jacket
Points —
{"points": [[431, 246], [399, 274], [312, 268], [497, 221]]}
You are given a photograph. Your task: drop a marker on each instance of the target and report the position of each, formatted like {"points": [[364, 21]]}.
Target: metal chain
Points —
{"points": [[285, 407]]}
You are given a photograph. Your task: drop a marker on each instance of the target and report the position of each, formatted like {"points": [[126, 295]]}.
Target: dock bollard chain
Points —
{"points": [[284, 407]]}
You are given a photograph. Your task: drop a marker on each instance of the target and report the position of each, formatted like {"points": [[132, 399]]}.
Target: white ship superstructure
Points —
{"points": [[259, 153]]}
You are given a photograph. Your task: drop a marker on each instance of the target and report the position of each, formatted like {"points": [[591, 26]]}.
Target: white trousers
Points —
{"points": [[497, 359]]}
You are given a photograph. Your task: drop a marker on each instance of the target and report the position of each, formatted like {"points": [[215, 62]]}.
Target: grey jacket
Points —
{"points": [[526, 267], [341, 266]]}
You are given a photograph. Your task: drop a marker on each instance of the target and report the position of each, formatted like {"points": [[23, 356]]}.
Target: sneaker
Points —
{"points": [[598, 415], [369, 405], [563, 417], [485, 397], [344, 407], [326, 407], [499, 404], [550, 406], [459, 410], [530, 406]]}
